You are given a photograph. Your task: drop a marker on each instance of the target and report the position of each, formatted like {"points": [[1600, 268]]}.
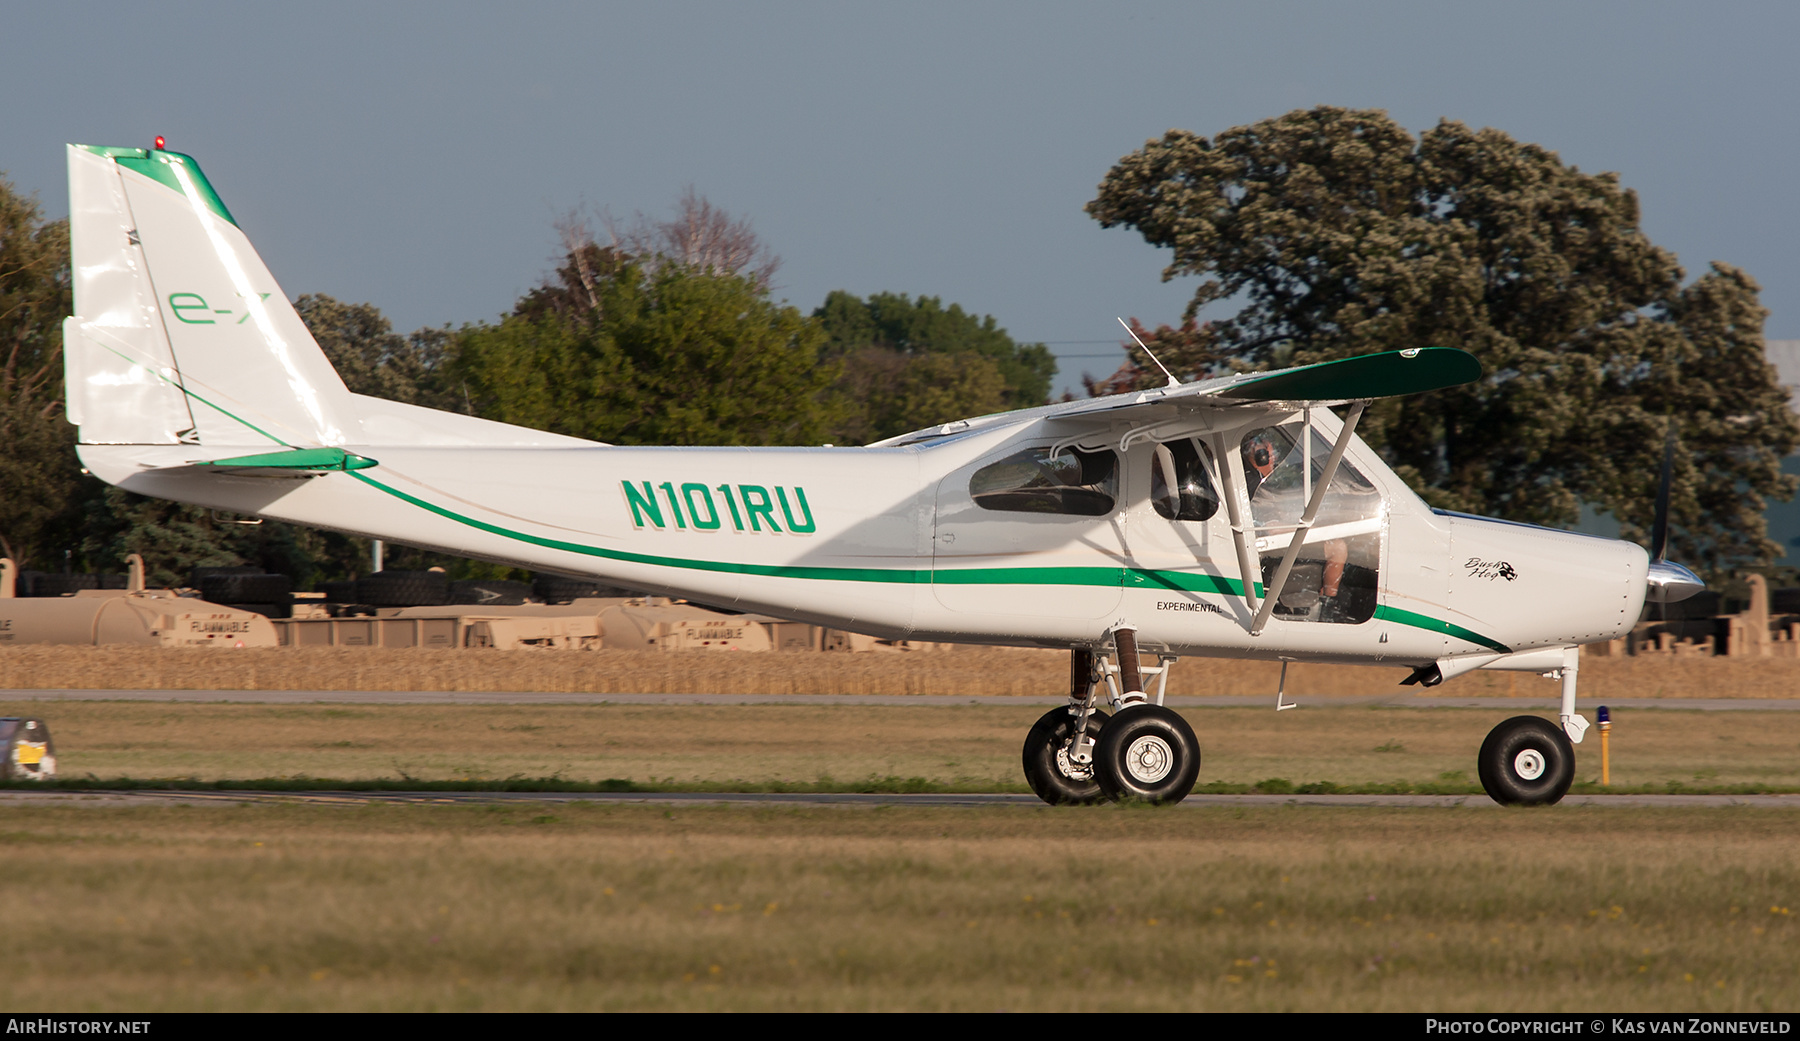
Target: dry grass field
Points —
{"points": [[838, 747], [961, 671], [588, 906], [464, 908]]}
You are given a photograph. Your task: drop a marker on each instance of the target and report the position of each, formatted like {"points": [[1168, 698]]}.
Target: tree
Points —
{"points": [[374, 360], [40, 477], [175, 538], [700, 236], [1339, 233], [886, 393], [620, 351], [912, 363]]}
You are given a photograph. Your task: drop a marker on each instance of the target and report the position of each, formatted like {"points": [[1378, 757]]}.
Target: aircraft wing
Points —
{"points": [[1366, 376], [1384, 375]]}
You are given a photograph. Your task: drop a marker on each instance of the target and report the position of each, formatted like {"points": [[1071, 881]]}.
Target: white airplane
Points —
{"points": [[1235, 517]]}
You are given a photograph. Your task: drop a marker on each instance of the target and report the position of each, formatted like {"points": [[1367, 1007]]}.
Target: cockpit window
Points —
{"points": [[1077, 482], [1335, 577], [1280, 470], [1181, 486]]}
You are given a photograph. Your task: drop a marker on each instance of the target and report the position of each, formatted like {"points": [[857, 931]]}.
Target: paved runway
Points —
{"points": [[436, 697], [101, 799]]}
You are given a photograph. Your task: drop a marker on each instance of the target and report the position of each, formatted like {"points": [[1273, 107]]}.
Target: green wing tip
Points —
{"points": [[1388, 374]]}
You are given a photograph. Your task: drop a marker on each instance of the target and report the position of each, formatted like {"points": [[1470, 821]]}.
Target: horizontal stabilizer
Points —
{"points": [[311, 460]]}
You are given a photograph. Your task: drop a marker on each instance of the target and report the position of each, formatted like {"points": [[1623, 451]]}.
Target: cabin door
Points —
{"points": [[1036, 531]]}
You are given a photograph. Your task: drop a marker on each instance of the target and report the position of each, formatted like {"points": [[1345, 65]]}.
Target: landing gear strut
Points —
{"points": [[1056, 778], [1528, 761], [1078, 754], [1058, 766]]}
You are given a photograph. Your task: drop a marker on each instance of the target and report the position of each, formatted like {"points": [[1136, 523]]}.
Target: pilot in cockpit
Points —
{"points": [[1275, 486]]}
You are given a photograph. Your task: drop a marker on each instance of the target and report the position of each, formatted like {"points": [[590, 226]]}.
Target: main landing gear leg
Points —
{"points": [[1529, 761], [1078, 754], [1145, 751], [1059, 750]]}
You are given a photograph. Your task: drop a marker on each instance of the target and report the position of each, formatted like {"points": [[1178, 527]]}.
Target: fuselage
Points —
{"points": [[926, 540]]}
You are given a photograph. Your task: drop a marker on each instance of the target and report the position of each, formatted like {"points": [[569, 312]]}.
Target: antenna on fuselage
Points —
{"points": [[1173, 382]]}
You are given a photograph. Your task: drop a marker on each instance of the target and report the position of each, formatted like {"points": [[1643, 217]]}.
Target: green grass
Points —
{"points": [[826, 748], [824, 785], [584, 906]]}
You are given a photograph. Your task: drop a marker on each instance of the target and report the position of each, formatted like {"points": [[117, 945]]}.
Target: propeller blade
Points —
{"points": [[1659, 530]]}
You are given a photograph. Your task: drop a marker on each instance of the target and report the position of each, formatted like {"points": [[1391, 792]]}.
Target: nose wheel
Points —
{"points": [[1526, 761]]}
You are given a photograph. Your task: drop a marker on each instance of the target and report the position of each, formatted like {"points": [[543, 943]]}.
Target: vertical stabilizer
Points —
{"points": [[181, 333]]}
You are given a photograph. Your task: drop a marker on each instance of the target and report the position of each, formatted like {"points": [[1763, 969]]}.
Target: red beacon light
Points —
{"points": [[159, 143]]}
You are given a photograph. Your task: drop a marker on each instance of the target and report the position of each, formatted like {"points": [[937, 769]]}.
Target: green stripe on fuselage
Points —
{"points": [[1034, 576], [1438, 625]]}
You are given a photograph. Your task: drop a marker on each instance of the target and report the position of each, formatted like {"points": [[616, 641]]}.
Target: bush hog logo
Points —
{"points": [[1490, 569]]}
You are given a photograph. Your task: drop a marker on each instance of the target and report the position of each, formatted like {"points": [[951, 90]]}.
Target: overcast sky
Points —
{"points": [[416, 155]]}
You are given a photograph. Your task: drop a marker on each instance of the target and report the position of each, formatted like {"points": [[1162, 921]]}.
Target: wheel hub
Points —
{"points": [[1070, 768], [1149, 759], [1529, 764]]}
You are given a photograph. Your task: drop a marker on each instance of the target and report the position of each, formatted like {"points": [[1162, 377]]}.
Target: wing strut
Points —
{"points": [[1239, 505], [1279, 584]]}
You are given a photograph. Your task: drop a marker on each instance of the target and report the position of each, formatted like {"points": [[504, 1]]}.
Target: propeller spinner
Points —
{"points": [[1669, 583]]}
